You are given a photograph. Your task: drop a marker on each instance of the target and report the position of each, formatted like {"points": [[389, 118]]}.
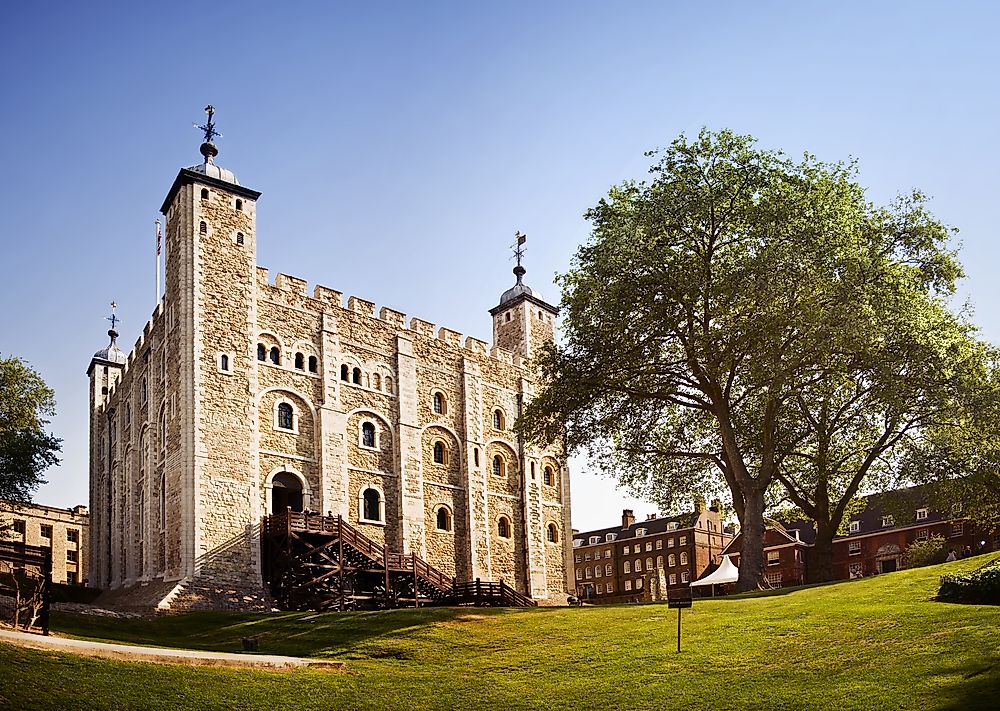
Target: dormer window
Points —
{"points": [[855, 526], [610, 537], [921, 514], [888, 521], [639, 532], [672, 526], [595, 539]]}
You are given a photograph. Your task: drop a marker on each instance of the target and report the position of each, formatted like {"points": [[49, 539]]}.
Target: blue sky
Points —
{"points": [[400, 145]]}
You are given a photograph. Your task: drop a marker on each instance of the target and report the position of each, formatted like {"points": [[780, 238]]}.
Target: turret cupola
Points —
{"points": [[522, 320]]}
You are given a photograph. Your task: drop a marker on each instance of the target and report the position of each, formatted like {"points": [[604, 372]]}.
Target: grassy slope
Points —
{"points": [[874, 643]]}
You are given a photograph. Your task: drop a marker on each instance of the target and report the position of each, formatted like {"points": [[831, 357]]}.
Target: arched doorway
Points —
{"points": [[286, 492]]}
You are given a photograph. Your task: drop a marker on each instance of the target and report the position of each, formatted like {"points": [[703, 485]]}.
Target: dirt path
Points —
{"points": [[163, 655]]}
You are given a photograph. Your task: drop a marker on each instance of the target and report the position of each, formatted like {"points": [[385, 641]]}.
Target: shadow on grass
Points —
{"points": [[299, 634], [979, 688]]}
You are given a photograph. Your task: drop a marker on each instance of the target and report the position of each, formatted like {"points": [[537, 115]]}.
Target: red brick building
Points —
{"points": [[875, 542], [615, 564]]}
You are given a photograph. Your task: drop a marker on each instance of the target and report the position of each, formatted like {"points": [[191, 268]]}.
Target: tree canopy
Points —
{"points": [[26, 449], [717, 307]]}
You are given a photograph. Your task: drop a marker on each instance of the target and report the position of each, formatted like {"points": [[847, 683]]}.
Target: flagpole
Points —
{"points": [[159, 237]]}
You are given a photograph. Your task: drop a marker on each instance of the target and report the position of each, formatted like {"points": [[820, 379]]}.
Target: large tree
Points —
{"points": [[26, 449], [707, 302]]}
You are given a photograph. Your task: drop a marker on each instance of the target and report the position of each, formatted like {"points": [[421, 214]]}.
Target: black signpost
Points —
{"points": [[679, 598]]}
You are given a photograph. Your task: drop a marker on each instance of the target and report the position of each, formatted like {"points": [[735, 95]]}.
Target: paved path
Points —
{"points": [[163, 655]]}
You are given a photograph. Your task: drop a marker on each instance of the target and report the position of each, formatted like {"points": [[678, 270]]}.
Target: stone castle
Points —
{"points": [[244, 397]]}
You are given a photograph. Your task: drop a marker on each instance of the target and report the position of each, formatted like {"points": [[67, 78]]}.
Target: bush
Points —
{"points": [[929, 552], [981, 586]]}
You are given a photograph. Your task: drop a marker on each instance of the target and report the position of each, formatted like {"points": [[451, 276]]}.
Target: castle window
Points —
{"points": [[275, 355], [475, 456], [300, 361], [367, 434], [286, 418], [313, 364], [552, 533], [204, 196], [163, 428], [163, 500], [261, 352], [503, 527], [143, 390], [498, 465], [440, 456], [376, 381], [532, 470], [356, 376], [344, 371], [443, 522], [239, 207], [508, 316], [438, 403], [371, 505], [498, 419], [239, 238], [547, 477], [388, 384], [203, 228], [223, 362]]}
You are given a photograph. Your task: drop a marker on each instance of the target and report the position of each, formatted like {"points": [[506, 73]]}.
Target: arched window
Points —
{"points": [[313, 364], [203, 228], [300, 361], [224, 362], [552, 533], [344, 371], [143, 390], [497, 419], [371, 505], [367, 434], [443, 519], [649, 563], [239, 206], [356, 376], [204, 196], [638, 566], [684, 558], [286, 419], [275, 355], [438, 401], [503, 527], [376, 381], [439, 453], [261, 352], [163, 428], [498, 465], [547, 477], [163, 500], [671, 560], [388, 384]]}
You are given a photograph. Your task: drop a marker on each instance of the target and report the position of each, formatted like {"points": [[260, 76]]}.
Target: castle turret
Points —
{"points": [[523, 320]]}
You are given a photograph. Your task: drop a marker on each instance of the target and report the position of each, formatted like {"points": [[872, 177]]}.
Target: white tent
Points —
{"points": [[727, 572]]}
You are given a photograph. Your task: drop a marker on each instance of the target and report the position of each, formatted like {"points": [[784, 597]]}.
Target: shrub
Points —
{"points": [[981, 586], [929, 552]]}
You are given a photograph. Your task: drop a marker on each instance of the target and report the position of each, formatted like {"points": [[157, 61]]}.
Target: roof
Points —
{"points": [[652, 526], [193, 175]]}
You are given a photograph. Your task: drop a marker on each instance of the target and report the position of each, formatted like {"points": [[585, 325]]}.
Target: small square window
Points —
{"points": [[72, 535], [72, 555], [854, 548], [46, 531], [659, 544], [19, 527], [888, 521], [628, 584], [855, 526], [922, 534], [774, 557], [921, 514]]}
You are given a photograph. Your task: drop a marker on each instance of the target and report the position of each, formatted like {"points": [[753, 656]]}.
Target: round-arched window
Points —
{"points": [[286, 419], [503, 527], [371, 505], [548, 478], [443, 522], [497, 419], [440, 456], [497, 465], [438, 403], [552, 533], [368, 434]]}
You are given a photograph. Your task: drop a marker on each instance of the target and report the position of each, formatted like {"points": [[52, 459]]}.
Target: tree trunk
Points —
{"points": [[821, 559], [752, 531]]}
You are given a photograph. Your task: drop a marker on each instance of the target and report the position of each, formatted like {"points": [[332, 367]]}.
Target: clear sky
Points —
{"points": [[400, 145]]}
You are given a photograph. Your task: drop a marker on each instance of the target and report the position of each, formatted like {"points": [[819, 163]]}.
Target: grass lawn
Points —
{"points": [[878, 643]]}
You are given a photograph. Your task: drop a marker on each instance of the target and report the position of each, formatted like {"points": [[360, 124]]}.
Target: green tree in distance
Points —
{"points": [[26, 449], [715, 302]]}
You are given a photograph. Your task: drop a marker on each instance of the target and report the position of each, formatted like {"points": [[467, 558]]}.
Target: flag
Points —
{"points": [[521, 239], [159, 238]]}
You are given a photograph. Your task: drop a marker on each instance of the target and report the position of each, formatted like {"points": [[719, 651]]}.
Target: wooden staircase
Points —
{"points": [[316, 562]]}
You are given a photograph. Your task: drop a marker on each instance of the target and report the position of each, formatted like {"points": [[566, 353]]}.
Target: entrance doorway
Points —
{"points": [[286, 492]]}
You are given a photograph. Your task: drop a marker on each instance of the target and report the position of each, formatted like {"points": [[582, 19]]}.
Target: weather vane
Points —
{"points": [[209, 127], [113, 318], [518, 246]]}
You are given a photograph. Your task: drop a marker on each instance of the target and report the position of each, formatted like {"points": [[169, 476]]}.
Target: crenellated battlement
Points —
{"points": [[287, 289]]}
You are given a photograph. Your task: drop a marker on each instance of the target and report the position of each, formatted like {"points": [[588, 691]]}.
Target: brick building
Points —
{"points": [[875, 541], [616, 564], [244, 396], [65, 531]]}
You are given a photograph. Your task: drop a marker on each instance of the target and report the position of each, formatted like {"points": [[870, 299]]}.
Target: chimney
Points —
{"points": [[716, 505], [699, 504], [628, 518], [651, 517]]}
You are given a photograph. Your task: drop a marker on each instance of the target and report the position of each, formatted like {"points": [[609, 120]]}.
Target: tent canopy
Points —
{"points": [[727, 572]]}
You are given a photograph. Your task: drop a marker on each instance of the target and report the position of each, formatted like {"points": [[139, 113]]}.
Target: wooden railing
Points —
{"points": [[485, 592]]}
